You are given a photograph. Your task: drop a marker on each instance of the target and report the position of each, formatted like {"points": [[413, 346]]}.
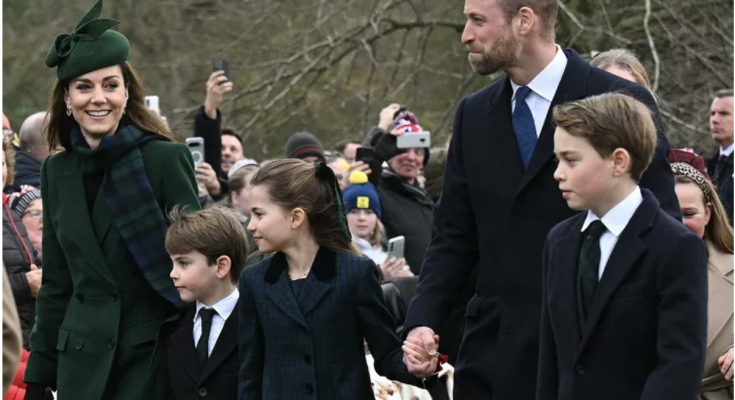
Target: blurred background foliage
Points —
{"points": [[329, 66]]}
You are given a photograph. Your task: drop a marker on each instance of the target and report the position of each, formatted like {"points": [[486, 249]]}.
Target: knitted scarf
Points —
{"points": [[130, 199]]}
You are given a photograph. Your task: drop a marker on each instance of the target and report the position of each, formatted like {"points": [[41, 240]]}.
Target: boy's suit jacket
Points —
{"points": [[182, 375], [645, 332], [312, 346]]}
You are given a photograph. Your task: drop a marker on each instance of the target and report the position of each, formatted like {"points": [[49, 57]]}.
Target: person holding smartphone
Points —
{"points": [[222, 147], [368, 234], [407, 209]]}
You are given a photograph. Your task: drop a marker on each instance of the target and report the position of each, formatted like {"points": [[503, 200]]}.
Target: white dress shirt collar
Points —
{"points": [[618, 217], [726, 152], [547, 81], [223, 307]]}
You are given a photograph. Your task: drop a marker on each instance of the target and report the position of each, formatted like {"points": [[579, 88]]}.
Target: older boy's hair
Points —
{"points": [[610, 121], [213, 232]]}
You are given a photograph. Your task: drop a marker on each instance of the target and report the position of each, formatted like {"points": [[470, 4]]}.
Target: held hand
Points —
{"points": [[34, 278], [726, 364], [205, 174], [217, 86], [386, 116], [420, 351]]}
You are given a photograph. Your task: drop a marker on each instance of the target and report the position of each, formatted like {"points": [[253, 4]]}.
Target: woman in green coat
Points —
{"points": [[106, 288]]}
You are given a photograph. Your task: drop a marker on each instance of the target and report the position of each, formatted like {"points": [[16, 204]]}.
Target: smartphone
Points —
{"points": [[414, 140], [151, 102], [196, 147], [222, 65], [364, 154], [396, 247]]}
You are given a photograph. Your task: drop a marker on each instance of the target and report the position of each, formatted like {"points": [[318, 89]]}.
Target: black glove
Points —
{"points": [[35, 391]]}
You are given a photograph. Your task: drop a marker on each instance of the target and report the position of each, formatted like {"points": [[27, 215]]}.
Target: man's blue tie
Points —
{"points": [[524, 126]]}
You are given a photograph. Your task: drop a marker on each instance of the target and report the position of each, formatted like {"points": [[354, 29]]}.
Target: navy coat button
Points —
{"points": [[113, 295], [202, 392], [112, 344], [309, 388], [581, 369], [79, 344], [80, 297], [307, 359]]}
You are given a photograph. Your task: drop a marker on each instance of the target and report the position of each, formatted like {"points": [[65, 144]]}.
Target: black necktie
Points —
{"points": [[202, 347], [589, 261], [720, 169]]}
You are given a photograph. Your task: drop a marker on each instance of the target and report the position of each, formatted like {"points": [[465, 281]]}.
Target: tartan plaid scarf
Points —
{"points": [[130, 199]]}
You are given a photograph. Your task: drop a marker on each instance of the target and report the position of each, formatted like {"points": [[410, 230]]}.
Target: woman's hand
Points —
{"points": [[725, 363]]}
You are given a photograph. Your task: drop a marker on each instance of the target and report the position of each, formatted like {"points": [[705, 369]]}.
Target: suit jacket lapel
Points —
{"points": [[624, 256], [573, 86], [226, 345], [566, 277], [280, 292], [82, 230], [183, 345], [500, 130]]}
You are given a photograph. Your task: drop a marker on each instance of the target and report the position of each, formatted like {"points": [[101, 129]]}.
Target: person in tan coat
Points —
{"points": [[703, 213]]}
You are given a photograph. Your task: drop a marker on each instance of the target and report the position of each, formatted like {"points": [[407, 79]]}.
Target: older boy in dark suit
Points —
{"points": [[624, 311], [199, 350]]}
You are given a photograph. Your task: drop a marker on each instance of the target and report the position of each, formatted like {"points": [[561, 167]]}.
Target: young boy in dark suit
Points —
{"points": [[624, 311], [199, 350]]}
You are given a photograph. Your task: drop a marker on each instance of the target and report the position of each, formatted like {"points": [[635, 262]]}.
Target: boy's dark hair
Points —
{"points": [[610, 121], [213, 232]]}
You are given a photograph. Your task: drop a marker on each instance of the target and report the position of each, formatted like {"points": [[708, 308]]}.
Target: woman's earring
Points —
{"points": [[125, 108], [68, 112]]}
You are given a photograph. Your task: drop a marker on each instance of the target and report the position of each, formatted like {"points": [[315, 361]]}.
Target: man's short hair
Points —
{"points": [[214, 232], [342, 145], [545, 9], [722, 93], [231, 132], [610, 121]]}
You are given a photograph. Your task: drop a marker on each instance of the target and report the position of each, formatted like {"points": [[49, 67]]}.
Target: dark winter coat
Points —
{"points": [[17, 263], [27, 170]]}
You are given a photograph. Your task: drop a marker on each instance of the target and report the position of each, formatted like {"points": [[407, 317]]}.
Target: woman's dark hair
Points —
{"points": [[293, 183], [60, 124]]}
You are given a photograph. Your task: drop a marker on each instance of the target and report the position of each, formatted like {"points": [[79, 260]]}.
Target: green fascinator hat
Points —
{"points": [[89, 47]]}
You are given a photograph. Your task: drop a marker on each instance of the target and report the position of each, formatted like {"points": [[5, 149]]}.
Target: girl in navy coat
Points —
{"points": [[305, 312]]}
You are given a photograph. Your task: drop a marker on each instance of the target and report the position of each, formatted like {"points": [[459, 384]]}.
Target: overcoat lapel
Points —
{"points": [[82, 231], [573, 86], [184, 346]]}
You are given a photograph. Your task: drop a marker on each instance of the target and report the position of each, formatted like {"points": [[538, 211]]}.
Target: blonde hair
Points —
{"points": [[718, 230], [376, 240], [625, 59], [610, 121]]}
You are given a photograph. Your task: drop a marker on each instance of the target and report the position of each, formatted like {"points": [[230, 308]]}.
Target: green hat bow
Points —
{"points": [[99, 46]]}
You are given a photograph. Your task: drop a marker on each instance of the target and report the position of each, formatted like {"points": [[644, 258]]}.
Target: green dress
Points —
{"points": [[97, 316]]}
